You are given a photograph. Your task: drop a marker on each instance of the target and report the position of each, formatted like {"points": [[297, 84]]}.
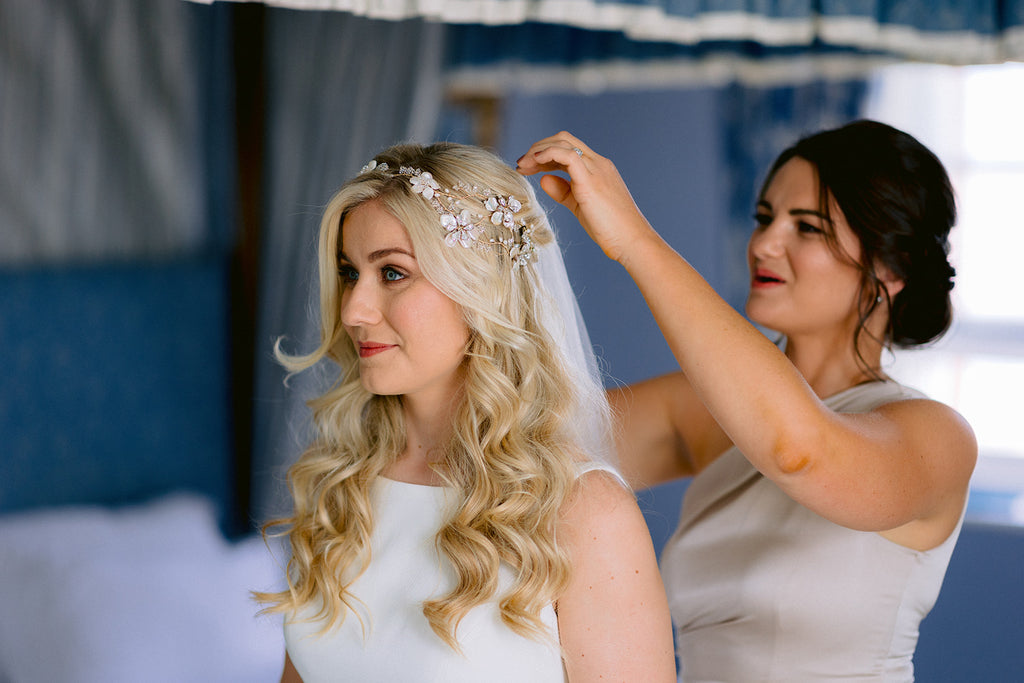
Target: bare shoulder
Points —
{"points": [[613, 619], [941, 451], [599, 502], [599, 484], [938, 428]]}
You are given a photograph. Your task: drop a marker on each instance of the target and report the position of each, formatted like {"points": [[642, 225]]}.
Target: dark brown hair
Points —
{"points": [[898, 201]]}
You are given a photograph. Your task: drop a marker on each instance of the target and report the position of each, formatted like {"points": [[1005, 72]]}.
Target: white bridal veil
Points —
{"points": [[564, 322]]}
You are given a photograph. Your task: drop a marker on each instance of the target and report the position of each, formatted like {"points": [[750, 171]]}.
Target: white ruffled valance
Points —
{"points": [[947, 32]]}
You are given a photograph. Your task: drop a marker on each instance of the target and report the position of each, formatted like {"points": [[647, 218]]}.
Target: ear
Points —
{"points": [[892, 284]]}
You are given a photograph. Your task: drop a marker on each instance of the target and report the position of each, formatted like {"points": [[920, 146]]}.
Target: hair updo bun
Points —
{"points": [[922, 311], [897, 198]]}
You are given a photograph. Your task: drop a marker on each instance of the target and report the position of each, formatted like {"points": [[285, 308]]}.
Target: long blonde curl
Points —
{"points": [[512, 457]]}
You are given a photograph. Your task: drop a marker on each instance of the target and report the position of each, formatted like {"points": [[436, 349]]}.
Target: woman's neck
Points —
{"points": [[828, 370], [428, 429]]}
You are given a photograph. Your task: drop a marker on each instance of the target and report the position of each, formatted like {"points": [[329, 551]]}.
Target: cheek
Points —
{"points": [[437, 318], [454, 325], [818, 258], [839, 282]]}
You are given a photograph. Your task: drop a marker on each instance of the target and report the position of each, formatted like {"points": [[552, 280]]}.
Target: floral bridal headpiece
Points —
{"points": [[465, 226]]}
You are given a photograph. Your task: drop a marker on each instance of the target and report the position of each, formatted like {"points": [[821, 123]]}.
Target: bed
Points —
{"points": [[119, 556]]}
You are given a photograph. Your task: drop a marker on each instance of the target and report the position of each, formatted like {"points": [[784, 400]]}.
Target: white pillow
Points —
{"points": [[175, 523], [152, 594]]}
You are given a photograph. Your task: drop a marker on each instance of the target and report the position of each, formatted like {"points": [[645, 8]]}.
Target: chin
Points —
{"points": [[753, 314], [378, 388], [765, 322]]}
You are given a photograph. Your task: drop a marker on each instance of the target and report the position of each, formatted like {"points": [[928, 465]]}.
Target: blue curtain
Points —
{"points": [[668, 43], [114, 131], [757, 124], [546, 57], [598, 44], [936, 30]]}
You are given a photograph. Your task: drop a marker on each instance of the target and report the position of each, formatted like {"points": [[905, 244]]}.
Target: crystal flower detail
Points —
{"points": [[373, 165], [464, 226], [460, 229], [424, 184]]}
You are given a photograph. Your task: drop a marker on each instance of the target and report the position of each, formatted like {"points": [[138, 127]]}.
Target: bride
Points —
{"points": [[458, 517]]}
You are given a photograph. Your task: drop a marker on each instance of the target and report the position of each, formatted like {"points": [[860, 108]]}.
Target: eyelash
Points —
{"points": [[391, 269], [764, 219], [349, 274]]}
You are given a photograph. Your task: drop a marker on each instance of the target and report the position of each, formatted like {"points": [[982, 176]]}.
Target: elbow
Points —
{"points": [[794, 456], [790, 463]]}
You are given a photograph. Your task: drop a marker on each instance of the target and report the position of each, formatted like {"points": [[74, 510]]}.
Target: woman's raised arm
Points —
{"points": [[900, 464]]}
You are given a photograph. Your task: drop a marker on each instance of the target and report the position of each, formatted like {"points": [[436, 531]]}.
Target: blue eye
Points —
{"points": [[391, 275], [348, 273]]}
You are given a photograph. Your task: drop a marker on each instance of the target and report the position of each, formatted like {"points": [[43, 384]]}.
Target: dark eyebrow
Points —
{"points": [[810, 212], [798, 212], [379, 254]]}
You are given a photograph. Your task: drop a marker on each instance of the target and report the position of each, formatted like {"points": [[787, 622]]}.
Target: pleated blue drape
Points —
{"points": [[945, 31], [558, 45]]}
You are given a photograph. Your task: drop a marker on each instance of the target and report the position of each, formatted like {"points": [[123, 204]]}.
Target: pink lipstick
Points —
{"points": [[367, 349], [763, 278]]}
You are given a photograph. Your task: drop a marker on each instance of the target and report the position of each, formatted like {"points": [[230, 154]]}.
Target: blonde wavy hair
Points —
{"points": [[513, 453]]}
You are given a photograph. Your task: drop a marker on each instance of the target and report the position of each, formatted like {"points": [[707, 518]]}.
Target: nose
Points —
{"points": [[360, 304], [767, 241]]}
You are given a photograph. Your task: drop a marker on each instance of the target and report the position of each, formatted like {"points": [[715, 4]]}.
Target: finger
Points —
{"points": [[544, 154], [527, 159], [543, 161], [529, 165], [578, 146], [563, 139], [558, 189], [560, 156]]}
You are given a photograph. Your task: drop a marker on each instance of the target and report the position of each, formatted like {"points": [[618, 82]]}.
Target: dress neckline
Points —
{"points": [[389, 480], [861, 386]]}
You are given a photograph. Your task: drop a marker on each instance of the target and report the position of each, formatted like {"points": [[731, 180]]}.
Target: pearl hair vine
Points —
{"points": [[464, 226]]}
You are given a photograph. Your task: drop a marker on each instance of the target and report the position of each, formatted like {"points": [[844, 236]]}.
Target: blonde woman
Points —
{"points": [[456, 517]]}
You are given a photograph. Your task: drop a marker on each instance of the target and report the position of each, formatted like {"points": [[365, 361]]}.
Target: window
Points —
{"points": [[970, 117]]}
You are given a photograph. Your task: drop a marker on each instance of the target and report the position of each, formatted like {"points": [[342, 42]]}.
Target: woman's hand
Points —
{"points": [[595, 193]]}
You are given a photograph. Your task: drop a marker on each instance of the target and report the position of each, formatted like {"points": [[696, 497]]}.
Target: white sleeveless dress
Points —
{"points": [[762, 589], [399, 644]]}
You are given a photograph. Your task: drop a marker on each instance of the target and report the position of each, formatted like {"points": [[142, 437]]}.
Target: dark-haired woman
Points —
{"points": [[827, 497]]}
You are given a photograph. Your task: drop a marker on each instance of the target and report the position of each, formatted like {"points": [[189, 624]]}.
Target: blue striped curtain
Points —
{"points": [[595, 44], [972, 29]]}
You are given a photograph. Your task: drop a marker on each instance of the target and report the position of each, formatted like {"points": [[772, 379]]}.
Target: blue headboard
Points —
{"points": [[114, 385]]}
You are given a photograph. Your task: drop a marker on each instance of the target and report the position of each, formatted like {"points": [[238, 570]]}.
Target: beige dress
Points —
{"points": [[762, 589]]}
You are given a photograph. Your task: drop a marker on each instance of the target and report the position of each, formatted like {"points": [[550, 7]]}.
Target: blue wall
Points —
{"points": [[976, 631], [115, 383], [661, 145]]}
